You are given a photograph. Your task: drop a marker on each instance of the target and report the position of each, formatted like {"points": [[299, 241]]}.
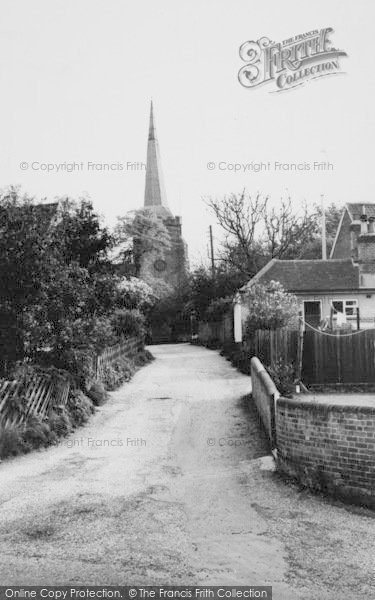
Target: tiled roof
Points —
{"points": [[309, 275], [356, 209]]}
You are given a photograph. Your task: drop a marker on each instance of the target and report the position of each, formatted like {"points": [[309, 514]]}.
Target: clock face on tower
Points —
{"points": [[160, 265]]}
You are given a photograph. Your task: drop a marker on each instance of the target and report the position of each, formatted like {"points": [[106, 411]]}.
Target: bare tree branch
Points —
{"points": [[255, 231]]}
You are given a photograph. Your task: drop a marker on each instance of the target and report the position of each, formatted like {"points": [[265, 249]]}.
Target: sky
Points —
{"points": [[78, 76]]}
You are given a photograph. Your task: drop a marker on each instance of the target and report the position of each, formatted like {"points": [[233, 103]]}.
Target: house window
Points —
{"points": [[346, 307], [313, 312]]}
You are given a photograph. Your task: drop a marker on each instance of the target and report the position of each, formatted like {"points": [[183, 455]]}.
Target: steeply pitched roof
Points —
{"points": [[356, 209], [155, 196], [309, 275]]}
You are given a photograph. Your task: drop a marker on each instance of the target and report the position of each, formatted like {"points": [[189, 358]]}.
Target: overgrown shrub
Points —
{"points": [[218, 308], [97, 393], [39, 432], [80, 407], [143, 357], [283, 375], [12, 441], [80, 362], [135, 293], [127, 323], [83, 340], [269, 307], [122, 369], [117, 372], [241, 360], [59, 421]]}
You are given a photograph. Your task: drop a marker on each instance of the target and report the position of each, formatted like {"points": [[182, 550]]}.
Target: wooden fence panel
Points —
{"points": [[277, 345], [326, 359], [340, 358], [43, 392], [263, 346], [320, 362]]}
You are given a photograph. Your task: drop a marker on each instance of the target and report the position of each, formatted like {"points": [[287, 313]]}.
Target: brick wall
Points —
{"points": [[329, 448], [366, 248]]}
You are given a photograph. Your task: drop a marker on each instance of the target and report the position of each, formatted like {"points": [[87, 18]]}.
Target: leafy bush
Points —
{"points": [[117, 372], [143, 357], [283, 375], [57, 281], [59, 421], [79, 341], [127, 323], [80, 407], [80, 362], [12, 441], [204, 288], [218, 308], [270, 307], [19, 439], [241, 360], [38, 433], [135, 293], [110, 377], [100, 333], [122, 369], [97, 393]]}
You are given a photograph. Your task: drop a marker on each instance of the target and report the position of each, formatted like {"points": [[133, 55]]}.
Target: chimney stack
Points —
{"points": [[366, 252], [363, 220]]}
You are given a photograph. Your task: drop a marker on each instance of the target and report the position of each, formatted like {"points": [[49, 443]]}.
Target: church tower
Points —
{"points": [[171, 266]]}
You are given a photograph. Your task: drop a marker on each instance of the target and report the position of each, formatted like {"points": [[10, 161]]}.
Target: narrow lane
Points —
{"points": [[171, 483]]}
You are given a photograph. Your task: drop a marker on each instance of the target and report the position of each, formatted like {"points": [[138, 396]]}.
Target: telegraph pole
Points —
{"points": [[324, 240], [212, 252]]}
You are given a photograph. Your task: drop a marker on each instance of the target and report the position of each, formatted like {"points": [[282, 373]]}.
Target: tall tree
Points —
{"points": [[240, 216], [80, 234], [286, 232], [256, 230], [52, 282]]}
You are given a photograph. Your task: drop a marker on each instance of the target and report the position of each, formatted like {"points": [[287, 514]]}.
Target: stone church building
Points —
{"points": [[171, 265]]}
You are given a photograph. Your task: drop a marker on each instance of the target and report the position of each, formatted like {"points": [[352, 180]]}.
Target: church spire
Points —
{"points": [[155, 197], [151, 131]]}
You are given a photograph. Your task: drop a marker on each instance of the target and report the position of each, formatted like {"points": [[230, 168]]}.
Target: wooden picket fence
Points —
{"points": [[42, 391], [36, 396], [127, 348]]}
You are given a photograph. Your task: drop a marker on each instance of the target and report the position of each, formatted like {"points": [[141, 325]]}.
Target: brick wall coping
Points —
{"points": [[320, 406], [263, 376]]}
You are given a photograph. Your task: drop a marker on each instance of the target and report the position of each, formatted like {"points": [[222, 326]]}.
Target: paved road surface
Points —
{"points": [[170, 483]]}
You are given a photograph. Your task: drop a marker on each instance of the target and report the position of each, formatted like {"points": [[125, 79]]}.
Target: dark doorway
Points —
{"points": [[313, 314]]}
